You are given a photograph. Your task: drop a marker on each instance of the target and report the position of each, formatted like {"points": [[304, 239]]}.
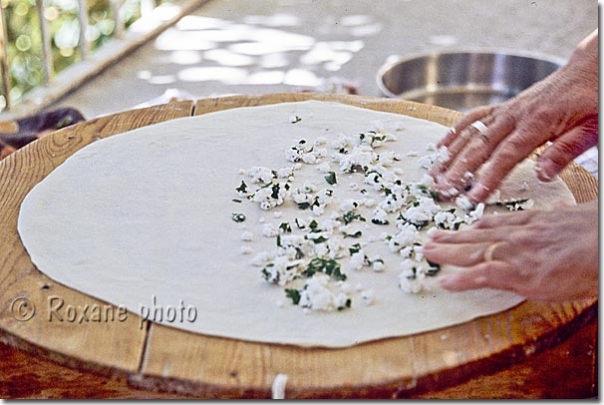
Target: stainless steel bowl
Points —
{"points": [[463, 80]]}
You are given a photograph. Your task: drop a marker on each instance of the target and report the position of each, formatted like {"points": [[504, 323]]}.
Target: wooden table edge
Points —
{"points": [[140, 380]]}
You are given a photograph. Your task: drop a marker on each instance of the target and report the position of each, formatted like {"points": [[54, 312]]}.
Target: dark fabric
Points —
{"points": [[32, 127]]}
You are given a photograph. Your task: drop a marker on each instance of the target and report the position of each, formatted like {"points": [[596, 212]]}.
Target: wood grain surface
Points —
{"points": [[160, 358]]}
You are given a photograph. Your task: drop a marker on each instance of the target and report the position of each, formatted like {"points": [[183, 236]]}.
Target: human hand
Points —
{"points": [[541, 255], [562, 109]]}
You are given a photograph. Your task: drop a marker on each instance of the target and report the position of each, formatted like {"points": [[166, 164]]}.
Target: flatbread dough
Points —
{"points": [[143, 220]]}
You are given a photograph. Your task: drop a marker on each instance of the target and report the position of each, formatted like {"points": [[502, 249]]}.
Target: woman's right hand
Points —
{"points": [[562, 109]]}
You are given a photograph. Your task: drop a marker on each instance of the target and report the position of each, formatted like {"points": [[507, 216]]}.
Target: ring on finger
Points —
{"points": [[480, 127], [489, 252]]}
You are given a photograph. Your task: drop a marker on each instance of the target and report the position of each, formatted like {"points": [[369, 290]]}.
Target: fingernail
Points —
{"points": [[545, 170], [446, 281], [477, 192], [430, 234]]}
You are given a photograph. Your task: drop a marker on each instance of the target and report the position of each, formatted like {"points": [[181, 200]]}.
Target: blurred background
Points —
{"points": [[134, 53]]}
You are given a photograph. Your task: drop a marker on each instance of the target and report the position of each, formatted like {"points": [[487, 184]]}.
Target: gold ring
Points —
{"points": [[488, 254], [479, 126]]}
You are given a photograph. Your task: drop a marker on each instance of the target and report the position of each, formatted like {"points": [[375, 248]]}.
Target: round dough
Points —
{"points": [[143, 220]]}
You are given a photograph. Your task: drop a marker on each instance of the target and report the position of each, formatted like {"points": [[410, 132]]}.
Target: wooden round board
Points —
{"points": [[158, 357]]}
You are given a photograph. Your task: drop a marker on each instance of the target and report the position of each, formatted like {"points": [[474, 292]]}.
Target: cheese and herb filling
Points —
{"points": [[361, 201]]}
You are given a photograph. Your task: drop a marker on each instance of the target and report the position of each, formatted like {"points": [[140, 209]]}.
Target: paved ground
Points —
{"points": [[242, 46]]}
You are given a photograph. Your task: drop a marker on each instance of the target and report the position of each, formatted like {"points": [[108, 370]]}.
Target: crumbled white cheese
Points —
{"points": [[331, 233], [377, 265], [368, 296], [357, 261], [260, 174], [269, 230], [317, 295], [464, 203], [261, 259], [324, 167], [247, 236]]}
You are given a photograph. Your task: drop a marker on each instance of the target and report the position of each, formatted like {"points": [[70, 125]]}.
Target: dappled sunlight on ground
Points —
{"points": [[254, 47], [261, 50]]}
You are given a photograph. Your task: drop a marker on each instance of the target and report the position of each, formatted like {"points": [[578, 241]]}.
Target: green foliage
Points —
{"points": [[25, 39]]}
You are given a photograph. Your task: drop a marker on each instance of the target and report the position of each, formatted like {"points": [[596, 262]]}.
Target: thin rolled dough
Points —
{"points": [[143, 220]]}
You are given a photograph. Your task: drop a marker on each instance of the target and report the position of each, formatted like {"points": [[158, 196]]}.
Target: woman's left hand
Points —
{"points": [[541, 255]]}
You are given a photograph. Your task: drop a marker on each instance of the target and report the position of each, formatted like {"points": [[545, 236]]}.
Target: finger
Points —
{"points": [[462, 123], [475, 153], [483, 275], [454, 148], [450, 136], [458, 136], [517, 218], [466, 236], [457, 254], [473, 130], [564, 149], [516, 147]]}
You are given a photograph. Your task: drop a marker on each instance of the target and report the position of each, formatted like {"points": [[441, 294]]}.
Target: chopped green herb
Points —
{"points": [[285, 227], [275, 194], [304, 206], [293, 295], [513, 205], [327, 266], [357, 234], [377, 138], [417, 224], [331, 178], [320, 239], [433, 270], [355, 169], [428, 191], [413, 275], [356, 248], [273, 279], [238, 217], [351, 216], [237, 200], [295, 119], [379, 221], [347, 304], [242, 187]]}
